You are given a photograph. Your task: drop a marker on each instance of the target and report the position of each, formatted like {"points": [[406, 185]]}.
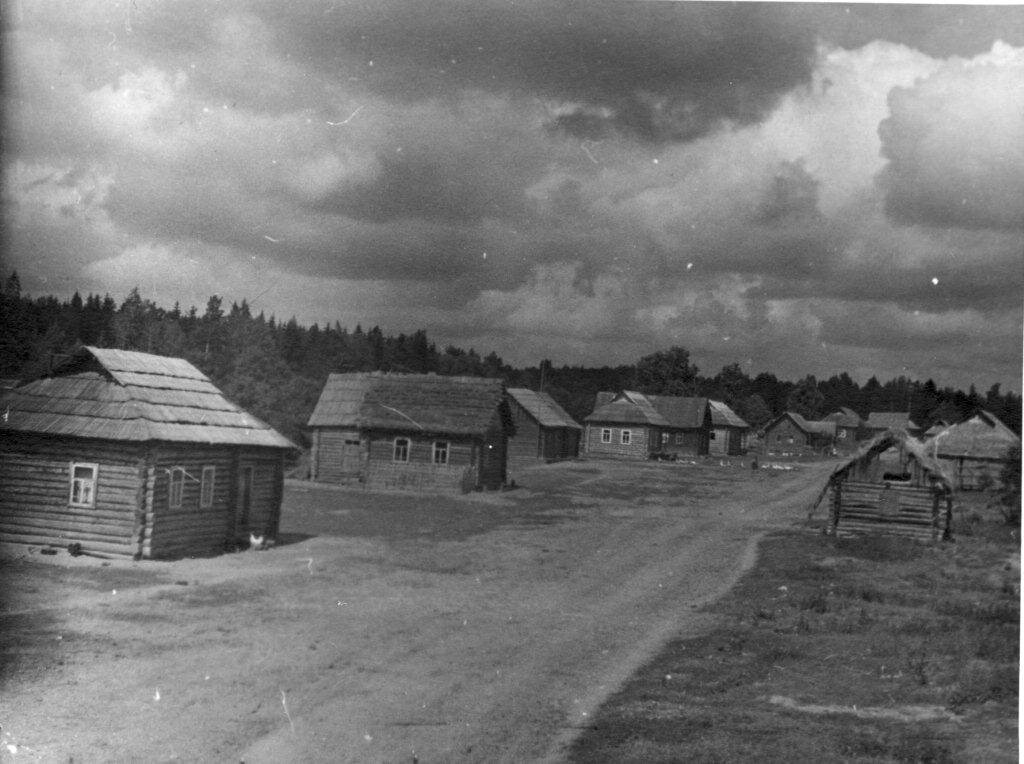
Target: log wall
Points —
{"points": [[35, 480], [643, 441], [460, 474], [267, 492], [862, 507]]}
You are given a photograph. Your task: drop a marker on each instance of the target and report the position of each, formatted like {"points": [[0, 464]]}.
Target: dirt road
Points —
{"points": [[483, 629]]}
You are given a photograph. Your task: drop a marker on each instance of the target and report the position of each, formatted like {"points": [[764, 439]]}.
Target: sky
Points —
{"points": [[796, 188]]}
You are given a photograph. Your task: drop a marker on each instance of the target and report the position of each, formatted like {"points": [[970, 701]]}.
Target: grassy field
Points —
{"points": [[849, 650]]}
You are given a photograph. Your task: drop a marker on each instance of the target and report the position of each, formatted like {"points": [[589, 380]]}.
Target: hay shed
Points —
{"points": [[892, 486]]}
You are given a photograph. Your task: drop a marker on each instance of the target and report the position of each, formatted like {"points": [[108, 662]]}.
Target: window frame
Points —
{"points": [[625, 437], [606, 434], [91, 482], [206, 486], [443, 451], [680, 439], [395, 451], [171, 503]]}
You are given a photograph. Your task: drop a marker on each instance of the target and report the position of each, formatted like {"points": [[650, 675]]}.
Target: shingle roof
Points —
{"points": [[125, 395], [629, 407], [888, 420], [807, 426], [844, 417], [681, 413], [982, 436], [427, 402], [543, 408], [723, 416]]}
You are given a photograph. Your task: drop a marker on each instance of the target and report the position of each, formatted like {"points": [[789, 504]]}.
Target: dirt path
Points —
{"points": [[496, 647]]}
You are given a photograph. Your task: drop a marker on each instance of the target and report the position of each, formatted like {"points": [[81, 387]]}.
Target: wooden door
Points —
{"points": [[352, 458], [245, 481]]}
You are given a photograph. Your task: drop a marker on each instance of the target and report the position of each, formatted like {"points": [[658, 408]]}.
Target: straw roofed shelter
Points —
{"points": [[891, 485], [419, 432], [115, 452], [973, 452], [544, 431]]}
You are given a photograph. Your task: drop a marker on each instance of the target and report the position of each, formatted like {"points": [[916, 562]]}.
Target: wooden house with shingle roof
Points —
{"points": [[133, 454], [728, 431], [973, 452], [850, 428], [421, 432], [544, 432], [791, 434], [635, 425], [891, 485]]}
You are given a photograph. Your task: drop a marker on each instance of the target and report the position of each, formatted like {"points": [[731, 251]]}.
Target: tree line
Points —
{"points": [[276, 369]]}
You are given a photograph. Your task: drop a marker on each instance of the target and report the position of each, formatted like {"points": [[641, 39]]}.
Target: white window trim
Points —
{"points": [[91, 482], [444, 451], [625, 437], [606, 435], [170, 488], [394, 450], [206, 486]]}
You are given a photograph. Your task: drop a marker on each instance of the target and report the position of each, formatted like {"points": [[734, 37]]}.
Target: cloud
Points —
{"points": [[955, 145]]}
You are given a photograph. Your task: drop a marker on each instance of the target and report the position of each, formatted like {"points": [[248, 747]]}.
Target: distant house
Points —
{"points": [[634, 425], [790, 433], [728, 431], [891, 485], [880, 421], [850, 428], [122, 453], [544, 432], [419, 432], [973, 452]]}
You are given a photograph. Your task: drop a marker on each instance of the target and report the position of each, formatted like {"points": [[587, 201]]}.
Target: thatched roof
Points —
{"points": [[891, 420], [723, 416], [129, 396], [910, 445], [983, 436], [844, 417], [404, 402], [542, 408]]}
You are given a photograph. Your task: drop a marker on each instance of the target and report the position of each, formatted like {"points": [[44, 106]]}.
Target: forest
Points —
{"points": [[276, 369]]}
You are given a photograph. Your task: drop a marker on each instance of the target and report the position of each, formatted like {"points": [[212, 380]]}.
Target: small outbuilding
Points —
{"points": [[544, 431], [420, 432], [115, 452], [974, 452], [728, 431], [891, 485]]}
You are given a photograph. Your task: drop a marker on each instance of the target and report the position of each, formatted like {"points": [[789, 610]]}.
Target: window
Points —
{"points": [[206, 487], [626, 437], [679, 438], [83, 485], [606, 435], [401, 450], [440, 452], [842, 434], [711, 435], [177, 487], [664, 438]]}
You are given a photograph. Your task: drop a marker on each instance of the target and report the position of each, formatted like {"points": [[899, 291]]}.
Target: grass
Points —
{"points": [[870, 649]]}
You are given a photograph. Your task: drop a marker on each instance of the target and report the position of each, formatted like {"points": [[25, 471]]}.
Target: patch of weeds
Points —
{"points": [[982, 681], [918, 744], [816, 602]]}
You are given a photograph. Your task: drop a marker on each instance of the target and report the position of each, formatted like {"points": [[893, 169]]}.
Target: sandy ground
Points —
{"points": [[389, 628]]}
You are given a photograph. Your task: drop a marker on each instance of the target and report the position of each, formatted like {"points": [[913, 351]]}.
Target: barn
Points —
{"points": [[973, 452], [891, 485], [137, 455], [420, 432], [790, 433], [544, 432], [728, 431]]}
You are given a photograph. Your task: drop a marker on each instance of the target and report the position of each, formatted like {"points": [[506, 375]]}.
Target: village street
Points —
{"points": [[484, 628]]}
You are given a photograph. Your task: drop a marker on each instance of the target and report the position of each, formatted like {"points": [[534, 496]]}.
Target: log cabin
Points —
{"points": [[791, 434], [635, 425], [850, 428], [544, 431], [416, 432], [121, 453], [891, 485], [728, 435]]}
